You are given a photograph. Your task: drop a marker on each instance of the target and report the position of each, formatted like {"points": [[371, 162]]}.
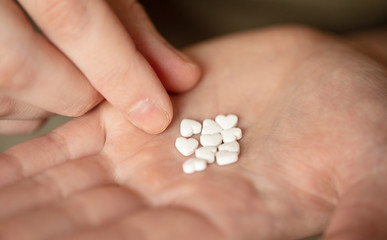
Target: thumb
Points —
{"points": [[362, 212], [176, 71]]}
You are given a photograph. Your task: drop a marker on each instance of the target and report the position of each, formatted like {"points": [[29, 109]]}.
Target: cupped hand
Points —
{"points": [[313, 155], [91, 50]]}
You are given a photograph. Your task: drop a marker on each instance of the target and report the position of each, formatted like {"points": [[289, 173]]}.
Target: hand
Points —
{"points": [[313, 155], [91, 48]]}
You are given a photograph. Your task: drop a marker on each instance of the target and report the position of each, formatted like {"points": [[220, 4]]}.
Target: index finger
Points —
{"points": [[91, 35]]}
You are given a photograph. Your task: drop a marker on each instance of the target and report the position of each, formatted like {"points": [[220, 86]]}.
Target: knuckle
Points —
{"points": [[66, 18], [111, 77]]}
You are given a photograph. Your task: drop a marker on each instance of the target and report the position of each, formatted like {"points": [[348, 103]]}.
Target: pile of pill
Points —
{"points": [[218, 139]]}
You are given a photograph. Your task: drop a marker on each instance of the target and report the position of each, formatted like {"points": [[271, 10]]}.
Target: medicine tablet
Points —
{"points": [[211, 139], [213, 134], [186, 146], [226, 157], [211, 127], [194, 165], [206, 153], [227, 122], [230, 146], [189, 127], [188, 167], [232, 134]]}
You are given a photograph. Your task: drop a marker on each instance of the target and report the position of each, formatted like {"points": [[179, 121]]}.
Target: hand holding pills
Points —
{"points": [[213, 133], [89, 51]]}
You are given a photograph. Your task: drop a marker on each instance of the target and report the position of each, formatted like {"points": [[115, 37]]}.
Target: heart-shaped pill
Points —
{"points": [[232, 134], [226, 157], [227, 122], [211, 139], [230, 146], [194, 165], [186, 146], [211, 127], [189, 127], [206, 153]]}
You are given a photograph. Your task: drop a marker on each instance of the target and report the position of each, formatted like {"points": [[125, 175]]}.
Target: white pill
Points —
{"points": [[206, 153], [232, 134], [211, 148], [227, 122], [200, 164], [230, 146], [226, 157], [211, 127], [194, 165], [188, 167], [211, 140], [186, 146], [189, 127]]}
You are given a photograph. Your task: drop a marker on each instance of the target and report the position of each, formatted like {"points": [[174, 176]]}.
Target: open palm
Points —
{"points": [[314, 120]]}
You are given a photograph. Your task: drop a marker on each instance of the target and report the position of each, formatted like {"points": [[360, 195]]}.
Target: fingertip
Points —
{"points": [[178, 72], [149, 116], [188, 76]]}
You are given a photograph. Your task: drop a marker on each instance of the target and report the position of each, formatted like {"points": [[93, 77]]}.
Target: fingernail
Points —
{"points": [[149, 117]]}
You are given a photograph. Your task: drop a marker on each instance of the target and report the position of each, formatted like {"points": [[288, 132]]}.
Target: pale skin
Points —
{"points": [[313, 155], [90, 50]]}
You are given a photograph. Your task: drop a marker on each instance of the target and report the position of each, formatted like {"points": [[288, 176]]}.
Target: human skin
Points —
{"points": [[90, 50], [313, 156]]}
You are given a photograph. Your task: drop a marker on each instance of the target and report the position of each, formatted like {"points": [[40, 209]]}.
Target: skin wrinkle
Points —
{"points": [[14, 163], [113, 167], [196, 212], [113, 221], [60, 15], [55, 137], [359, 204], [151, 192], [167, 194], [178, 209], [48, 183], [365, 176], [74, 214], [53, 189], [306, 165]]}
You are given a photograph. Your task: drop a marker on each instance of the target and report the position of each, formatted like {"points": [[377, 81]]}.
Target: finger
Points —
{"points": [[11, 109], [159, 223], [361, 213], [80, 212], [70, 141], [52, 185], [35, 72], [176, 71], [16, 127], [89, 33]]}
